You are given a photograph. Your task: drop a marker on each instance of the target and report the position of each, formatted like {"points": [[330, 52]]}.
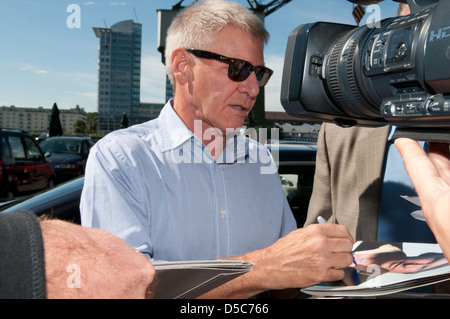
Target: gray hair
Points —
{"points": [[197, 26]]}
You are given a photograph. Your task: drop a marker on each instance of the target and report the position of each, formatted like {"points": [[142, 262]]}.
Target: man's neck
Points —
{"points": [[213, 138]]}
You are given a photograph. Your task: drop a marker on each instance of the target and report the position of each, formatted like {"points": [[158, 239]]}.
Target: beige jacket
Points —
{"points": [[348, 177]]}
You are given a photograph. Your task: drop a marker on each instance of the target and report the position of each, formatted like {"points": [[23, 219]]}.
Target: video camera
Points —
{"points": [[397, 73]]}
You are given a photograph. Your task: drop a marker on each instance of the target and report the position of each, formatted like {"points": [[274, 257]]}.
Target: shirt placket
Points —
{"points": [[222, 215]]}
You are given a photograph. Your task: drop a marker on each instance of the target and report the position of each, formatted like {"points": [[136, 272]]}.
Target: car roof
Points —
{"points": [[14, 131], [73, 138]]}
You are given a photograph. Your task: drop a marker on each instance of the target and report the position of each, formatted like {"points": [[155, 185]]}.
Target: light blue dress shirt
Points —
{"points": [[156, 186]]}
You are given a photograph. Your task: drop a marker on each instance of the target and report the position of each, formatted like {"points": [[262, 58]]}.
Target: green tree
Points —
{"points": [[55, 128], [79, 109], [124, 121], [92, 121], [79, 127]]}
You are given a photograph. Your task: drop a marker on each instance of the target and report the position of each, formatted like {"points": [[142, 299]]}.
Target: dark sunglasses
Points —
{"points": [[238, 70]]}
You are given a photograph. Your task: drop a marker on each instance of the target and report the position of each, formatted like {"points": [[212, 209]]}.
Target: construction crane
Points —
{"points": [[255, 6], [268, 8]]}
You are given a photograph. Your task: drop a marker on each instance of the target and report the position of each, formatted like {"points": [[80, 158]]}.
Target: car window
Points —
{"points": [[85, 147], [297, 183], [73, 147], [16, 147], [33, 151], [6, 152], [61, 146]]}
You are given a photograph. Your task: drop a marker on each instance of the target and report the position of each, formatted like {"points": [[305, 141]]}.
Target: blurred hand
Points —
{"points": [[91, 263], [430, 175]]}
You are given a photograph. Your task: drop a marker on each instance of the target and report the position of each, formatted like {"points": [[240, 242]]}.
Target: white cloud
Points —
{"points": [[90, 95], [273, 87], [116, 3], [89, 3], [153, 75], [32, 68], [88, 80]]}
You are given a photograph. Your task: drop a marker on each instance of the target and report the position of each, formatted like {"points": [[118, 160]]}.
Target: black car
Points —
{"points": [[23, 167], [296, 166], [68, 155], [61, 202], [296, 163]]}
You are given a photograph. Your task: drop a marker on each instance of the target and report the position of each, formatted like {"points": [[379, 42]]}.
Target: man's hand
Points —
{"points": [[308, 256], [304, 257], [85, 262]]}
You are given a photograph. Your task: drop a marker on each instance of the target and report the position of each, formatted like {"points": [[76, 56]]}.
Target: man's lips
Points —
{"points": [[240, 108]]}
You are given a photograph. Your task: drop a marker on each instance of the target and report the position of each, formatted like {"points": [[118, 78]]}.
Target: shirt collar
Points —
{"points": [[173, 130], [175, 133]]}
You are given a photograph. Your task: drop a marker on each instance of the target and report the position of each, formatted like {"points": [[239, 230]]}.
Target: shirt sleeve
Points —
{"points": [[111, 198], [22, 266], [289, 222]]}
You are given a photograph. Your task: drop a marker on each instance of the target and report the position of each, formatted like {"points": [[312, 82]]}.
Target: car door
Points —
{"points": [[7, 162], [27, 168], [41, 170], [18, 169]]}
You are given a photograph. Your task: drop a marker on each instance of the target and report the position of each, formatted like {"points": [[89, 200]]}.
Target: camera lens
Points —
{"points": [[346, 82]]}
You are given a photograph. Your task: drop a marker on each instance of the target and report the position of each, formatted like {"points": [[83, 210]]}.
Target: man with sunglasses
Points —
{"points": [[188, 186]]}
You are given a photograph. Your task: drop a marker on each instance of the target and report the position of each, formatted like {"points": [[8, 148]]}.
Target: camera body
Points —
{"points": [[397, 73]]}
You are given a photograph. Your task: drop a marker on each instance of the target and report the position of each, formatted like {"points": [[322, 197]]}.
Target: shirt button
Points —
{"points": [[222, 212]]}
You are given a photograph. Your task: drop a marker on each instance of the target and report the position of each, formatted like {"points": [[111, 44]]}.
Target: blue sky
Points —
{"points": [[43, 61]]}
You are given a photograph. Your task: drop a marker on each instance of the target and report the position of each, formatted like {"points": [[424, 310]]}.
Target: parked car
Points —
{"points": [[23, 167], [61, 202], [68, 155], [296, 165]]}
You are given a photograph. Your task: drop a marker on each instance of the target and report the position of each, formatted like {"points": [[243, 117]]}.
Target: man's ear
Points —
{"points": [[180, 65]]}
